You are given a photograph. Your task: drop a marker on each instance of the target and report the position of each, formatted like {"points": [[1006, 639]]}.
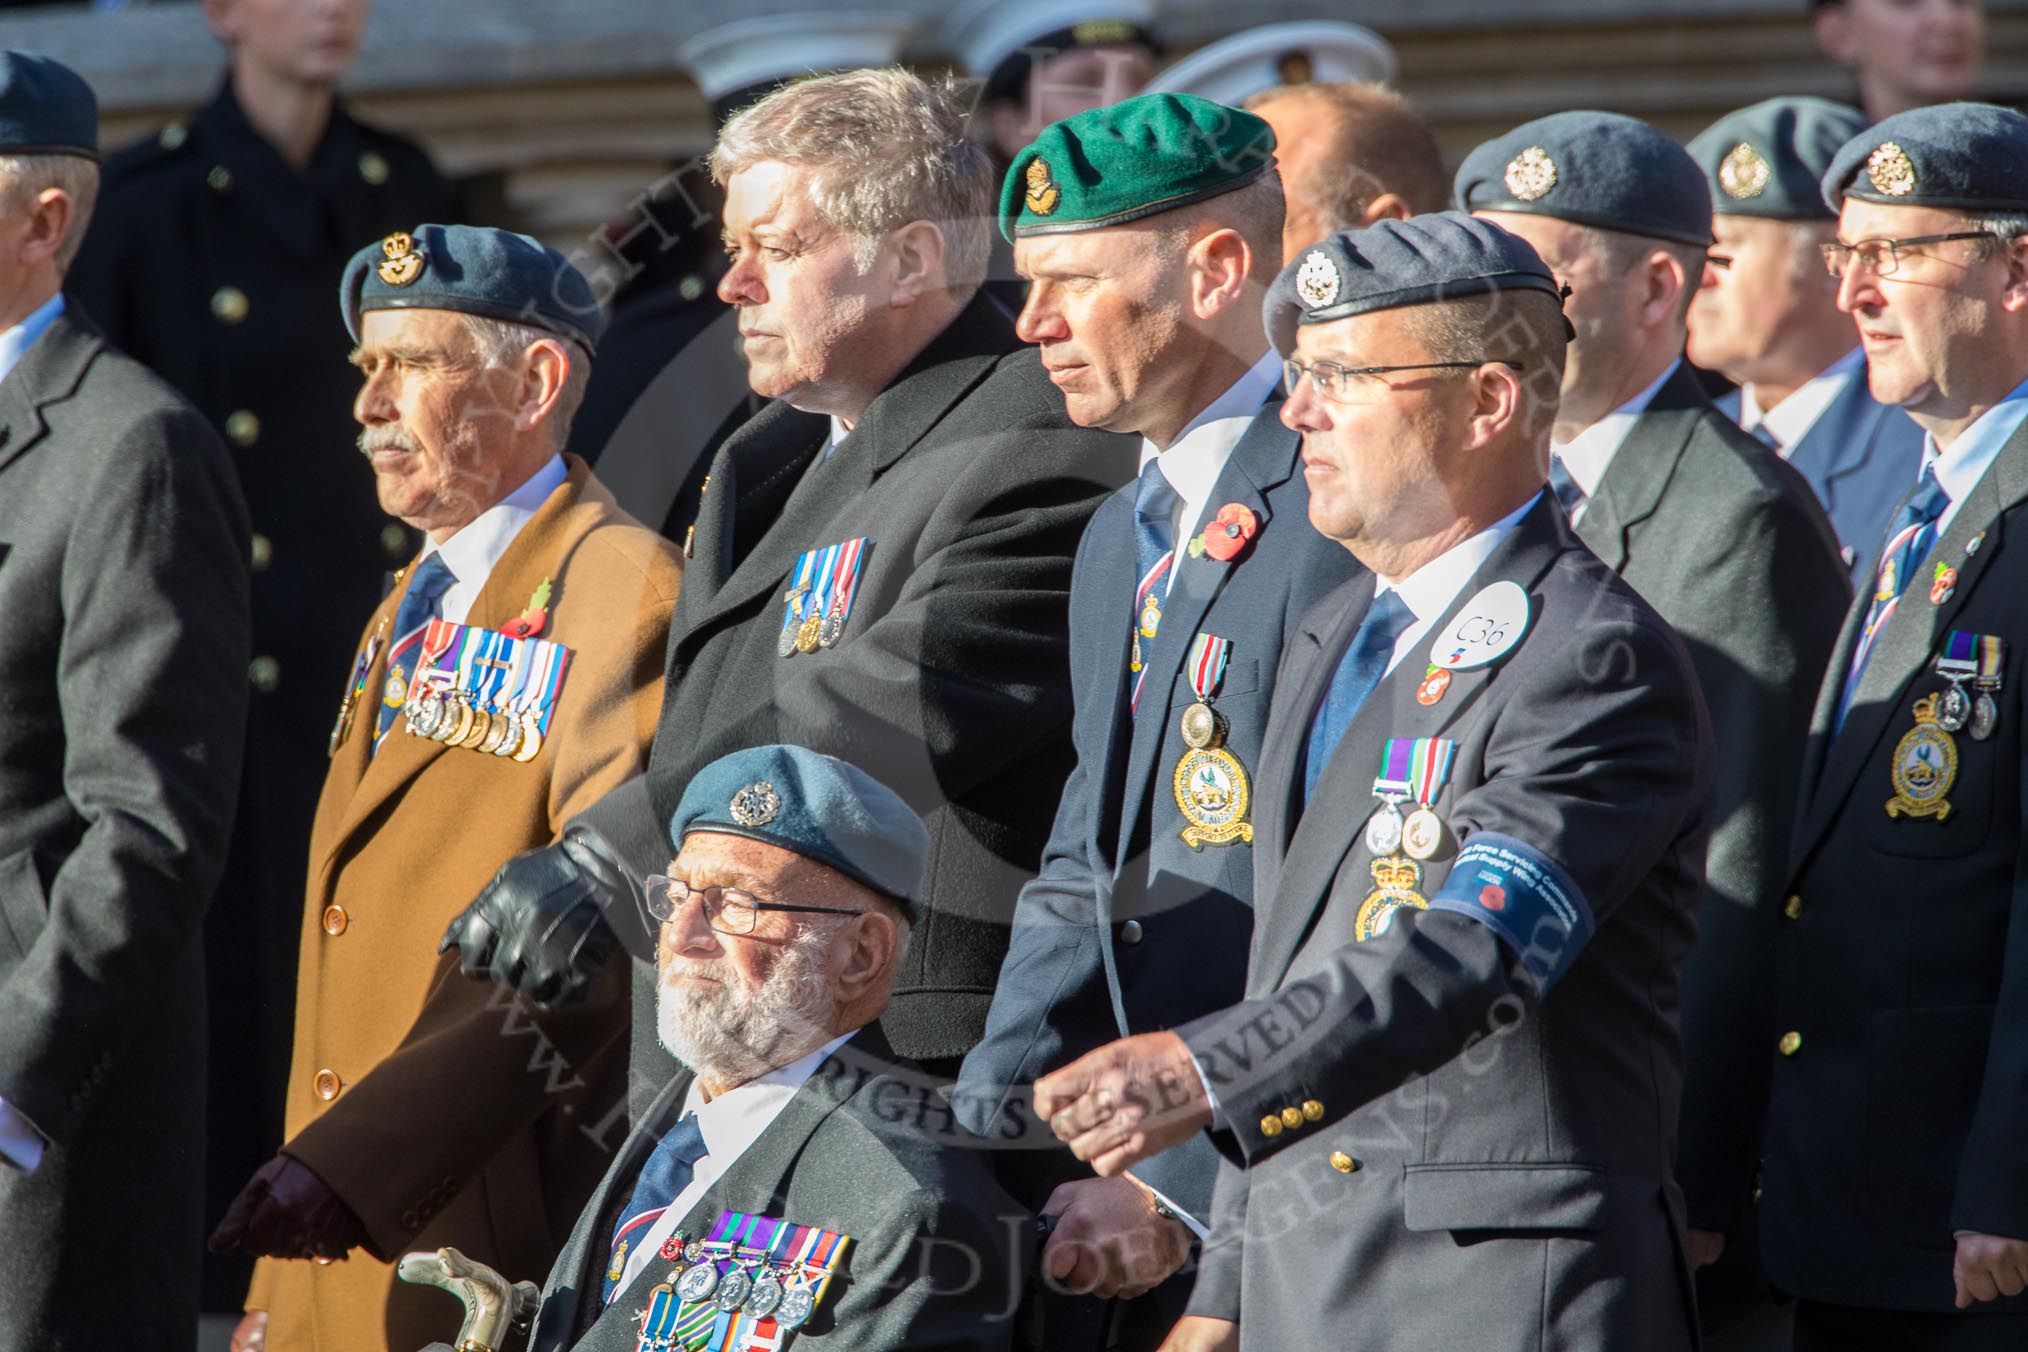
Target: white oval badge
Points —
{"points": [[1488, 627]]}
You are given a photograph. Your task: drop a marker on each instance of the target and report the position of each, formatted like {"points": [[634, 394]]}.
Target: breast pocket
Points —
{"points": [[1562, 1197]]}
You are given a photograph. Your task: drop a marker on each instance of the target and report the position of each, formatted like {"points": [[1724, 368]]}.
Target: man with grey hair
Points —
{"points": [[510, 679], [881, 561], [122, 705]]}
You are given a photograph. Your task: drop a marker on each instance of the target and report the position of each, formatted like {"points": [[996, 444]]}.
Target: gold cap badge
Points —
{"points": [[403, 263], [756, 804], [1744, 173], [1317, 279], [1891, 170], [1043, 194], [1531, 174]]}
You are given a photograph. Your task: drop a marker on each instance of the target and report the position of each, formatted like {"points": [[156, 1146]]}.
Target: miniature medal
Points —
{"points": [[531, 739], [1925, 766], [832, 629], [807, 633]]}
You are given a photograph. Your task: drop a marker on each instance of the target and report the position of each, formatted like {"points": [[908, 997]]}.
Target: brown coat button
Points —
{"points": [[327, 1084], [335, 920]]}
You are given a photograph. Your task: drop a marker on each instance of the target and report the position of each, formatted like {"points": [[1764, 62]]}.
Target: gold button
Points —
{"points": [[265, 673], [1292, 1118], [1270, 1126], [1790, 1044], [327, 1084], [173, 135], [335, 920], [242, 427], [373, 168], [394, 540], [1343, 1162], [229, 304], [1313, 1110], [1793, 908], [262, 554], [220, 178]]}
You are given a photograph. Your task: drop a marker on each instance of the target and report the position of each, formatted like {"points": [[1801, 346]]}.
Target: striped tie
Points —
{"points": [[663, 1178], [1154, 554], [1908, 541], [433, 577]]}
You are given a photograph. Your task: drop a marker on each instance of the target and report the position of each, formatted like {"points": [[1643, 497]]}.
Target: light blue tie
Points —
{"points": [[1359, 671], [1566, 489], [663, 1179], [419, 605]]}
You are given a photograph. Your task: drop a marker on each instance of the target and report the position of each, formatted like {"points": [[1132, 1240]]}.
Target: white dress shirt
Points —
{"points": [[1791, 420], [1589, 454], [731, 1123], [1194, 460], [20, 1143], [1960, 467], [1429, 591], [472, 552]]}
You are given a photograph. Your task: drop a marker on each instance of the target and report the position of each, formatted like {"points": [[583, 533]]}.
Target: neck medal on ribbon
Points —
{"points": [[818, 602], [1411, 770], [1210, 784], [750, 1283]]}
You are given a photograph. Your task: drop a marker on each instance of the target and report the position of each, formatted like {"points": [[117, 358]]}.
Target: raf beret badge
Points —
{"points": [[756, 804], [1891, 170], [1043, 194], [1531, 174], [1317, 279], [1744, 173], [403, 263]]}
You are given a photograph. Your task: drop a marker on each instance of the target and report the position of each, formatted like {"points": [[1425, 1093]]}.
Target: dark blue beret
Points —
{"points": [[46, 108], [1769, 160], [813, 805], [1439, 256], [1598, 169], [478, 270], [1966, 156]]}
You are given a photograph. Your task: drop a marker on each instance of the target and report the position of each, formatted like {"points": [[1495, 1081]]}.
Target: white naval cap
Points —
{"points": [[982, 34], [746, 52], [1232, 70]]}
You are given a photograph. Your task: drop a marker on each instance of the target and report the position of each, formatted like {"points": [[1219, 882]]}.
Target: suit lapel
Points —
{"points": [[1912, 633], [1641, 468], [1260, 461], [48, 371], [1321, 842], [1839, 443]]}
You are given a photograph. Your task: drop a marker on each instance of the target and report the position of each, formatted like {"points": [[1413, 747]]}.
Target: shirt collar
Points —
{"points": [[15, 342], [477, 547], [1791, 420], [1194, 460], [1430, 589], [1959, 469], [1590, 453], [734, 1120]]}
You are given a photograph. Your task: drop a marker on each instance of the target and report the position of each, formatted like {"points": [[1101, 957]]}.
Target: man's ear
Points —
{"points": [[2014, 299], [1667, 285], [49, 223], [870, 942], [1219, 265], [1497, 402], [546, 366], [919, 269], [1387, 206], [218, 17]]}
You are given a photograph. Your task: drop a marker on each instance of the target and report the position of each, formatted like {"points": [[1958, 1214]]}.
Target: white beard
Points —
{"points": [[731, 1033]]}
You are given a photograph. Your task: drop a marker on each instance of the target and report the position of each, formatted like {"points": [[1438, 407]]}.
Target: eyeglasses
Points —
{"points": [[1882, 256], [1363, 384], [729, 910]]}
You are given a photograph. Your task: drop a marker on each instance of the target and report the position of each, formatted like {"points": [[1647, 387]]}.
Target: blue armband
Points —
{"points": [[1523, 896]]}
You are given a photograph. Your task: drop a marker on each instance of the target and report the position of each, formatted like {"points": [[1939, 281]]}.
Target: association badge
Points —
{"points": [[1925, 766], [1531, 174], [401, 262], [1317, 279], [1210, 784], [1744, 173], [1890, 169]]}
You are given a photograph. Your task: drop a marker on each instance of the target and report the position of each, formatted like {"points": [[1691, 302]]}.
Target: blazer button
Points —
{"points": [[1793, 908], [220, 178], [1791, 1043], [1344, 1163], [1313, 1111], [335, 920], [409, 1221], [373, 168], [1130, 933], [242, 427], [265, 673], [327, 1084], [1292, 1118], [1271, 1126], [229, 304]]}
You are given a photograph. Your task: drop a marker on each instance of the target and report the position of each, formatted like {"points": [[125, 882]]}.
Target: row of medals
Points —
{"points": [[450, 717], [1956, 708], [813, 630], [760, 1294], [1419, 836]]}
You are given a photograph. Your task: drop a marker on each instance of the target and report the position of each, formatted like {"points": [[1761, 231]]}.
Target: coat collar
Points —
{"points": [[49, 371], [1642, 467], [309, 213]]}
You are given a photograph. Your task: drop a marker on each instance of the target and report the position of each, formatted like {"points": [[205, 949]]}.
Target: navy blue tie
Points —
{"points": [[419, 605], [1155, 502], [1560, 483], [662, 1181], [1359, 671]]}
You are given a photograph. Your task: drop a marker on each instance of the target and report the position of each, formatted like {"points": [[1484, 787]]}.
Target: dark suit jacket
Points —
{"points": [[1729, 544], [1897, 1121], [951, 683], [122, 701], [865, 1148], [1472, 1151], [1076, 976]]}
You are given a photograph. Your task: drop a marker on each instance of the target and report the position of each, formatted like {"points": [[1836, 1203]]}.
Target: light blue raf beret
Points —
{"points": [[813, 805], [1962, 156], [1596, 169], [474, 269]]}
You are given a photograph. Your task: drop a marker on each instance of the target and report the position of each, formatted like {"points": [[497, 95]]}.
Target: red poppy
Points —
{"points": [[1493, 897], [528, 624], [1230, 531]]}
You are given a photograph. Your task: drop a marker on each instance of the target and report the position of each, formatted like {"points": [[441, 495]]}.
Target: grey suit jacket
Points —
{"points": [[868, 1148], [123, 580], [1473, 1148], [1729, 544]]}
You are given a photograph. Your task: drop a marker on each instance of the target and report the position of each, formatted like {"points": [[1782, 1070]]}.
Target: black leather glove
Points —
{"points": [[286, 1211], [539, 927]]}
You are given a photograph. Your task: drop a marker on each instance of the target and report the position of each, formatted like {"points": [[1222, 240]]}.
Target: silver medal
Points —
{"points": [[733, 1289], [798, 1303], [1954, 710], [831, 630], [764, 1298], [1383, 829], [1985, 716], [699, 1282]]}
